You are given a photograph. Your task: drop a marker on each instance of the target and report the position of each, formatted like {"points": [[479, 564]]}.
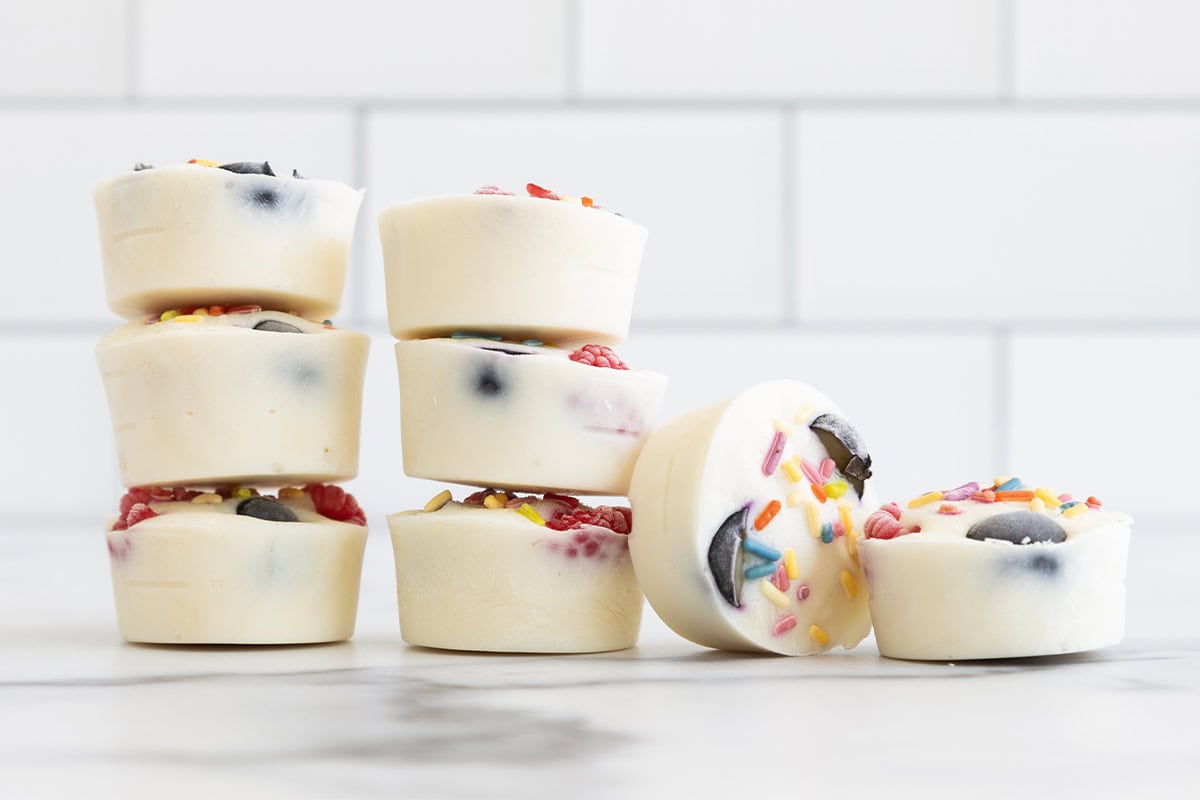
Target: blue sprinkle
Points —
{"points": [[761, 550], [533, 342], [759, 571], [827, 532], [1065, 506], [1010, 485]]}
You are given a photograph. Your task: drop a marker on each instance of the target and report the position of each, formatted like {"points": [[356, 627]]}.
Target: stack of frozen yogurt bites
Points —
{"points": [[506, 307], [235, 404]]}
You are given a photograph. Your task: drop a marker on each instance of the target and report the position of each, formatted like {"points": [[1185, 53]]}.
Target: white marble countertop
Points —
{"points": [[84, 715]]}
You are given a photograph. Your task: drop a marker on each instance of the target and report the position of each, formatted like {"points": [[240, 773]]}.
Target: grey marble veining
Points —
{"points": [[85, 715]]}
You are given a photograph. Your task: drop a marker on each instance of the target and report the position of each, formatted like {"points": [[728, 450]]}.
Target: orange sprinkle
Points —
{"points": [[216, 311], [766, 515], [1094, 501], [586, 201], [948, 508], [819, 492], [1016, 494]]}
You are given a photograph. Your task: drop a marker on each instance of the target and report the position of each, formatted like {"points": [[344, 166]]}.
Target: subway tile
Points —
{"points": [[998, 216], [1108, 415], [62, 48], [707, 186], [358, 49], [777, 48], [926, 427], [63, 154], [1107, 48], [56, 430]]}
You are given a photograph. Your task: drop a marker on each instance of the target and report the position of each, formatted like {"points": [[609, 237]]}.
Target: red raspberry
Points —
{"points": [[573, 502], [132, 497], [616, 519], [598, 355], [537, 191], [335, 503], [133, 510], [492, 188]]}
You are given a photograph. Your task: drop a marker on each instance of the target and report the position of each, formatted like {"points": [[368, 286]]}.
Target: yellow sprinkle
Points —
{"points": [[201, 162], [795, 498], [846, 515], [492, 501], [791, 468], [805, 412], [852, 543], [925, 499], [849, 586], [438, 500], [836, 489], [207, 497], [1048, 497], [200, 312], [166, 315], [1075, 511], [1037, 504], [818, 634], [789, 564], [186, 318], [1002, 479], [290, 492], [530, 514], [242, 492], [773, 594], [814, 519], [782, 427]]}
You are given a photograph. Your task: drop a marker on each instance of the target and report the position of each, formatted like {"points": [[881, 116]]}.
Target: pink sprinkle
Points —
{"points": [[839, 529], [774, 453], [812, 473], [827, 467], [948, 509], [963, 492], [803, 592], [780, 578], [985, 496], [1065, 498], [785, 624], [492, 188]]}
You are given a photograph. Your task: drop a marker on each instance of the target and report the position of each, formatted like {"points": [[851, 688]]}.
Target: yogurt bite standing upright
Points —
{"points": [[229, 381]]}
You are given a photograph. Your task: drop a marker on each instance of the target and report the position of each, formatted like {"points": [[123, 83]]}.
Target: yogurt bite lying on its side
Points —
{"points": [[1006, 571]]}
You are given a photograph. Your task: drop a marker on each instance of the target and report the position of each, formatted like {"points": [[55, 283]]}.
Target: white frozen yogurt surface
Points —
{"points": [[202, 574], [473, 578], [938, 595], [520, 267], [506, 415], [216, 401], [190, 235], [705, 466]]}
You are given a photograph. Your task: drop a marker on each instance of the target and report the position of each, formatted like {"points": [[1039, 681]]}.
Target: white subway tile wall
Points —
{"points": [[974, 223]]}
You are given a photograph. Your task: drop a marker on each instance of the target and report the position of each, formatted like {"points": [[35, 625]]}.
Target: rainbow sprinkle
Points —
{"points": [[774, 453], [761, 550], [784, 624], [530, 513], [773, 594], [438, 500], [818, 634], [790, 564], [792, 469], [814, 518], [849, 585], [766, 515], [925, 499], [758, 571]]}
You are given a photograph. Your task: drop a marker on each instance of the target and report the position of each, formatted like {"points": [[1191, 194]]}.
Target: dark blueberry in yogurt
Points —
{"points": [[249, 168], [847, 449], [267, 508], [725, 556], [488, 382], [262, 197], [277, 326], [1043, 564], [506, 351], [1018, 527]]}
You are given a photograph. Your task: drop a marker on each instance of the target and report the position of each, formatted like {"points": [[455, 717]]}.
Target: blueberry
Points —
{"points": [[725, 556], [1043, 564], [488, 382], [305, 374], [847, 449], [506, 351], [1018, 527], [296, 174], [277, 326], [249, 168], [262, 197], [267, 508]]}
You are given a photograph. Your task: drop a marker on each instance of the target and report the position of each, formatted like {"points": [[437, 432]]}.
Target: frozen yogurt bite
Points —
{"points": [[1000, 570]]}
